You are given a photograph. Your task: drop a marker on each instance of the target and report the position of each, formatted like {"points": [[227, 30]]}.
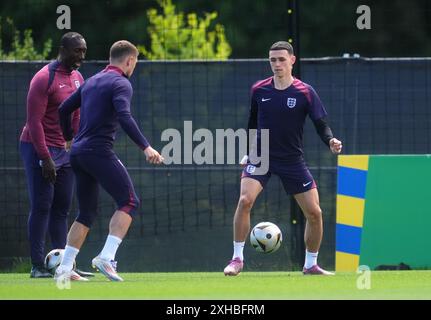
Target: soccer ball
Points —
{"points": [[53, 260], [266, 237]]}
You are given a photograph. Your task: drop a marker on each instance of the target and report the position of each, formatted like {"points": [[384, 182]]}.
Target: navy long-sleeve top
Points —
{"points": [[104, 100]]}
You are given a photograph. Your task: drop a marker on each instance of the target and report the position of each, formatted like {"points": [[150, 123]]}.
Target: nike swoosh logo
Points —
{"points": [[62, 85], [263, 99], [306, 184]]}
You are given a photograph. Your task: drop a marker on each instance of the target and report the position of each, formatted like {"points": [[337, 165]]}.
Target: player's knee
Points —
{"points": [[41, 204], [59, 214], [314, 214], [40, 209], [246, 202], [134, 206], [130, 207], [136, 203], [62, 206], [86, 218]]}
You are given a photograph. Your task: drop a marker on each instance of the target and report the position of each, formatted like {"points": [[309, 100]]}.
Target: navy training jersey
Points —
{"points": [[105, 102], [283, 112]]}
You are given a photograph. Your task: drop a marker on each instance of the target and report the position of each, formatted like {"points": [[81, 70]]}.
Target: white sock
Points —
{"points": [[69, 256], [238, 249], [310, 259], [110, 249]]}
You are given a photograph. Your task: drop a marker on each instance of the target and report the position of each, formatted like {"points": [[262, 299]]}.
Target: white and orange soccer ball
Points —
{"points": [[266, 237]]}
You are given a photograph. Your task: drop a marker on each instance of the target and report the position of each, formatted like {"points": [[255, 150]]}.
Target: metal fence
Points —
{"points": [[375, 106]]}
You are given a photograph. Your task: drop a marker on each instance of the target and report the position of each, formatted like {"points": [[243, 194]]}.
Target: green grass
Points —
{"points": [[201, 285]]}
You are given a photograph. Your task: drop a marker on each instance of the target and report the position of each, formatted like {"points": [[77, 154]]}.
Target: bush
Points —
{"points": [[22, 49], [173, 38]]}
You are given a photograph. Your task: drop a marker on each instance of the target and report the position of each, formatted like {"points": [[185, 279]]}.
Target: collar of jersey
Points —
{"points": [[61, 68], [110, 67], [291, 85]]}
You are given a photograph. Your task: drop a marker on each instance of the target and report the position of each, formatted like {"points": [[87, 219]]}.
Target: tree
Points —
{"points": [[22, 50], [173, 38], [327, 28]]}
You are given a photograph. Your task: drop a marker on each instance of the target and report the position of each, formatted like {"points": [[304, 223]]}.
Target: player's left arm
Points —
{"points": [[67, 107], [75, 121], [75, 126], [318, 114], [325, 133]]}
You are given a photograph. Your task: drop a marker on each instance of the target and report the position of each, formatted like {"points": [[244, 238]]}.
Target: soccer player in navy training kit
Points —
{"points": [[44, 150], [281, 104], [104, 101]]}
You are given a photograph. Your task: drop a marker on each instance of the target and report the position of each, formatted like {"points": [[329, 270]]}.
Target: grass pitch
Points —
{"points": [[214, 285]]}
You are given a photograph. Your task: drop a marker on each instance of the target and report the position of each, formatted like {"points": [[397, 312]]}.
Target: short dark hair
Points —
{"points": [[69, 38], [122, 49], [282, 45]]}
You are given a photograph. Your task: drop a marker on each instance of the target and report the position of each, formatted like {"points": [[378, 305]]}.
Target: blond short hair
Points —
{"points": [[121, 50]]}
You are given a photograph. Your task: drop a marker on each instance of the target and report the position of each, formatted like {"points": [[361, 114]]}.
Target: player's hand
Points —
{"points": [[68, 145], [153, 156], [335, 145], [48, 169], [243, 161]]}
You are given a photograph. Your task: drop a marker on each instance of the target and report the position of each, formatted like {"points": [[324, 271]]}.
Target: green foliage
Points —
{"points": [[22, 48], [179, 36], [396, 32]]}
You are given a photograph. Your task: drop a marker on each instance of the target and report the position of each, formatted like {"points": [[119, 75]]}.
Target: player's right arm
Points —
{"points": [[37, 102]]}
